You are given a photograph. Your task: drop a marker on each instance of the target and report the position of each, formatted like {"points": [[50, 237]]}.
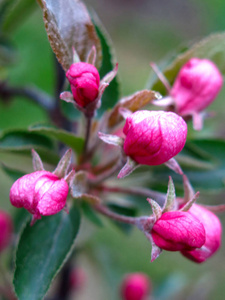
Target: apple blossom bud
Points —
{"points": [[6, 229], [135, 286], [154, 137], [196, 86], [84, 80], [41, 193], [213, 231], [77, 279], [177, 230]]}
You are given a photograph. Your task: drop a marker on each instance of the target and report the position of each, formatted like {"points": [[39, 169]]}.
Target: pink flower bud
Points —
{"points": [[213, 231], [6, 229], [177, 230], [77, 279], [154, 137], [196, 86], [41, 193], [135, 286], [84, 80]]}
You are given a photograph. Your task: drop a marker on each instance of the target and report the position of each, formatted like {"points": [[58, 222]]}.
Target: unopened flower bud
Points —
{"points": [[84, 80], [41, 193], [154, 137], [177, 230], [135, 286], [6, 229], [213, 231], [196, 86], [77, 279]]}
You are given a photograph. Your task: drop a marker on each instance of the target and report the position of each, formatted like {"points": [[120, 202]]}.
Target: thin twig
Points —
{"points": [[107, 173], [87, 135], [33, 93], [215, 208], [120, 218], [161, 77], [139, 191]]}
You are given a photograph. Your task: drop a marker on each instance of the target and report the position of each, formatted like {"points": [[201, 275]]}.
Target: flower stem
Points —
{"points": [[33, 93], [120, 218], [215, 208], [107, 173], [87, 136], [139, 191], [161, 77]]}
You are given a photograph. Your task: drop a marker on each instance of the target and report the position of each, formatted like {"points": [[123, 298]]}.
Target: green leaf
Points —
{"points": [[133, 103], [42, 250], [212, 47], [20, 219], [22, 139], [111, 93], [129, 211], [68, 25], [17, 13], [69, 111], [13, 174], [170, 196], [74, 142], [211, 179], [7, 55], [90, 214]]}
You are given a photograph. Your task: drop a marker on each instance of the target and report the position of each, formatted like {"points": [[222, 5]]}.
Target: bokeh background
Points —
{"points": [[141, 31]]}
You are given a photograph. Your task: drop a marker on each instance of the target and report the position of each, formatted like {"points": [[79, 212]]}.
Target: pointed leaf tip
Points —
{"points": [[156, 251], [128, 168], [76, 58], [67, 97], [110, 139], [189, 204], [63, 164], [124, 112], [92, 56], [36, 160], [188, 189], [173, 165], [70, 177], [156, 209], [170, 202]]}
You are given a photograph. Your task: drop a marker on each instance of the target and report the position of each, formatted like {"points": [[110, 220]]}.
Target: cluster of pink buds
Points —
{"points": [[135, 286], [43, 193], [196, 86], [149, 138], [86, 87], [6, 228], [188, 227]]}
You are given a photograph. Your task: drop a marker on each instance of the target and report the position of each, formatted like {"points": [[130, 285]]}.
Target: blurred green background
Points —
{"points": [[142, 31]]}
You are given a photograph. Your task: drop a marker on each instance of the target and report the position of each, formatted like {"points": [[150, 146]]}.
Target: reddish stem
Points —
{"points": [[215, 208], [139, 191], [161, 77], [107, 173], [120, 218]]}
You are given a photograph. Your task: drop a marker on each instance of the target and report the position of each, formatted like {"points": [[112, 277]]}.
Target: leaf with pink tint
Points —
{"points": [[69, 25]]}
